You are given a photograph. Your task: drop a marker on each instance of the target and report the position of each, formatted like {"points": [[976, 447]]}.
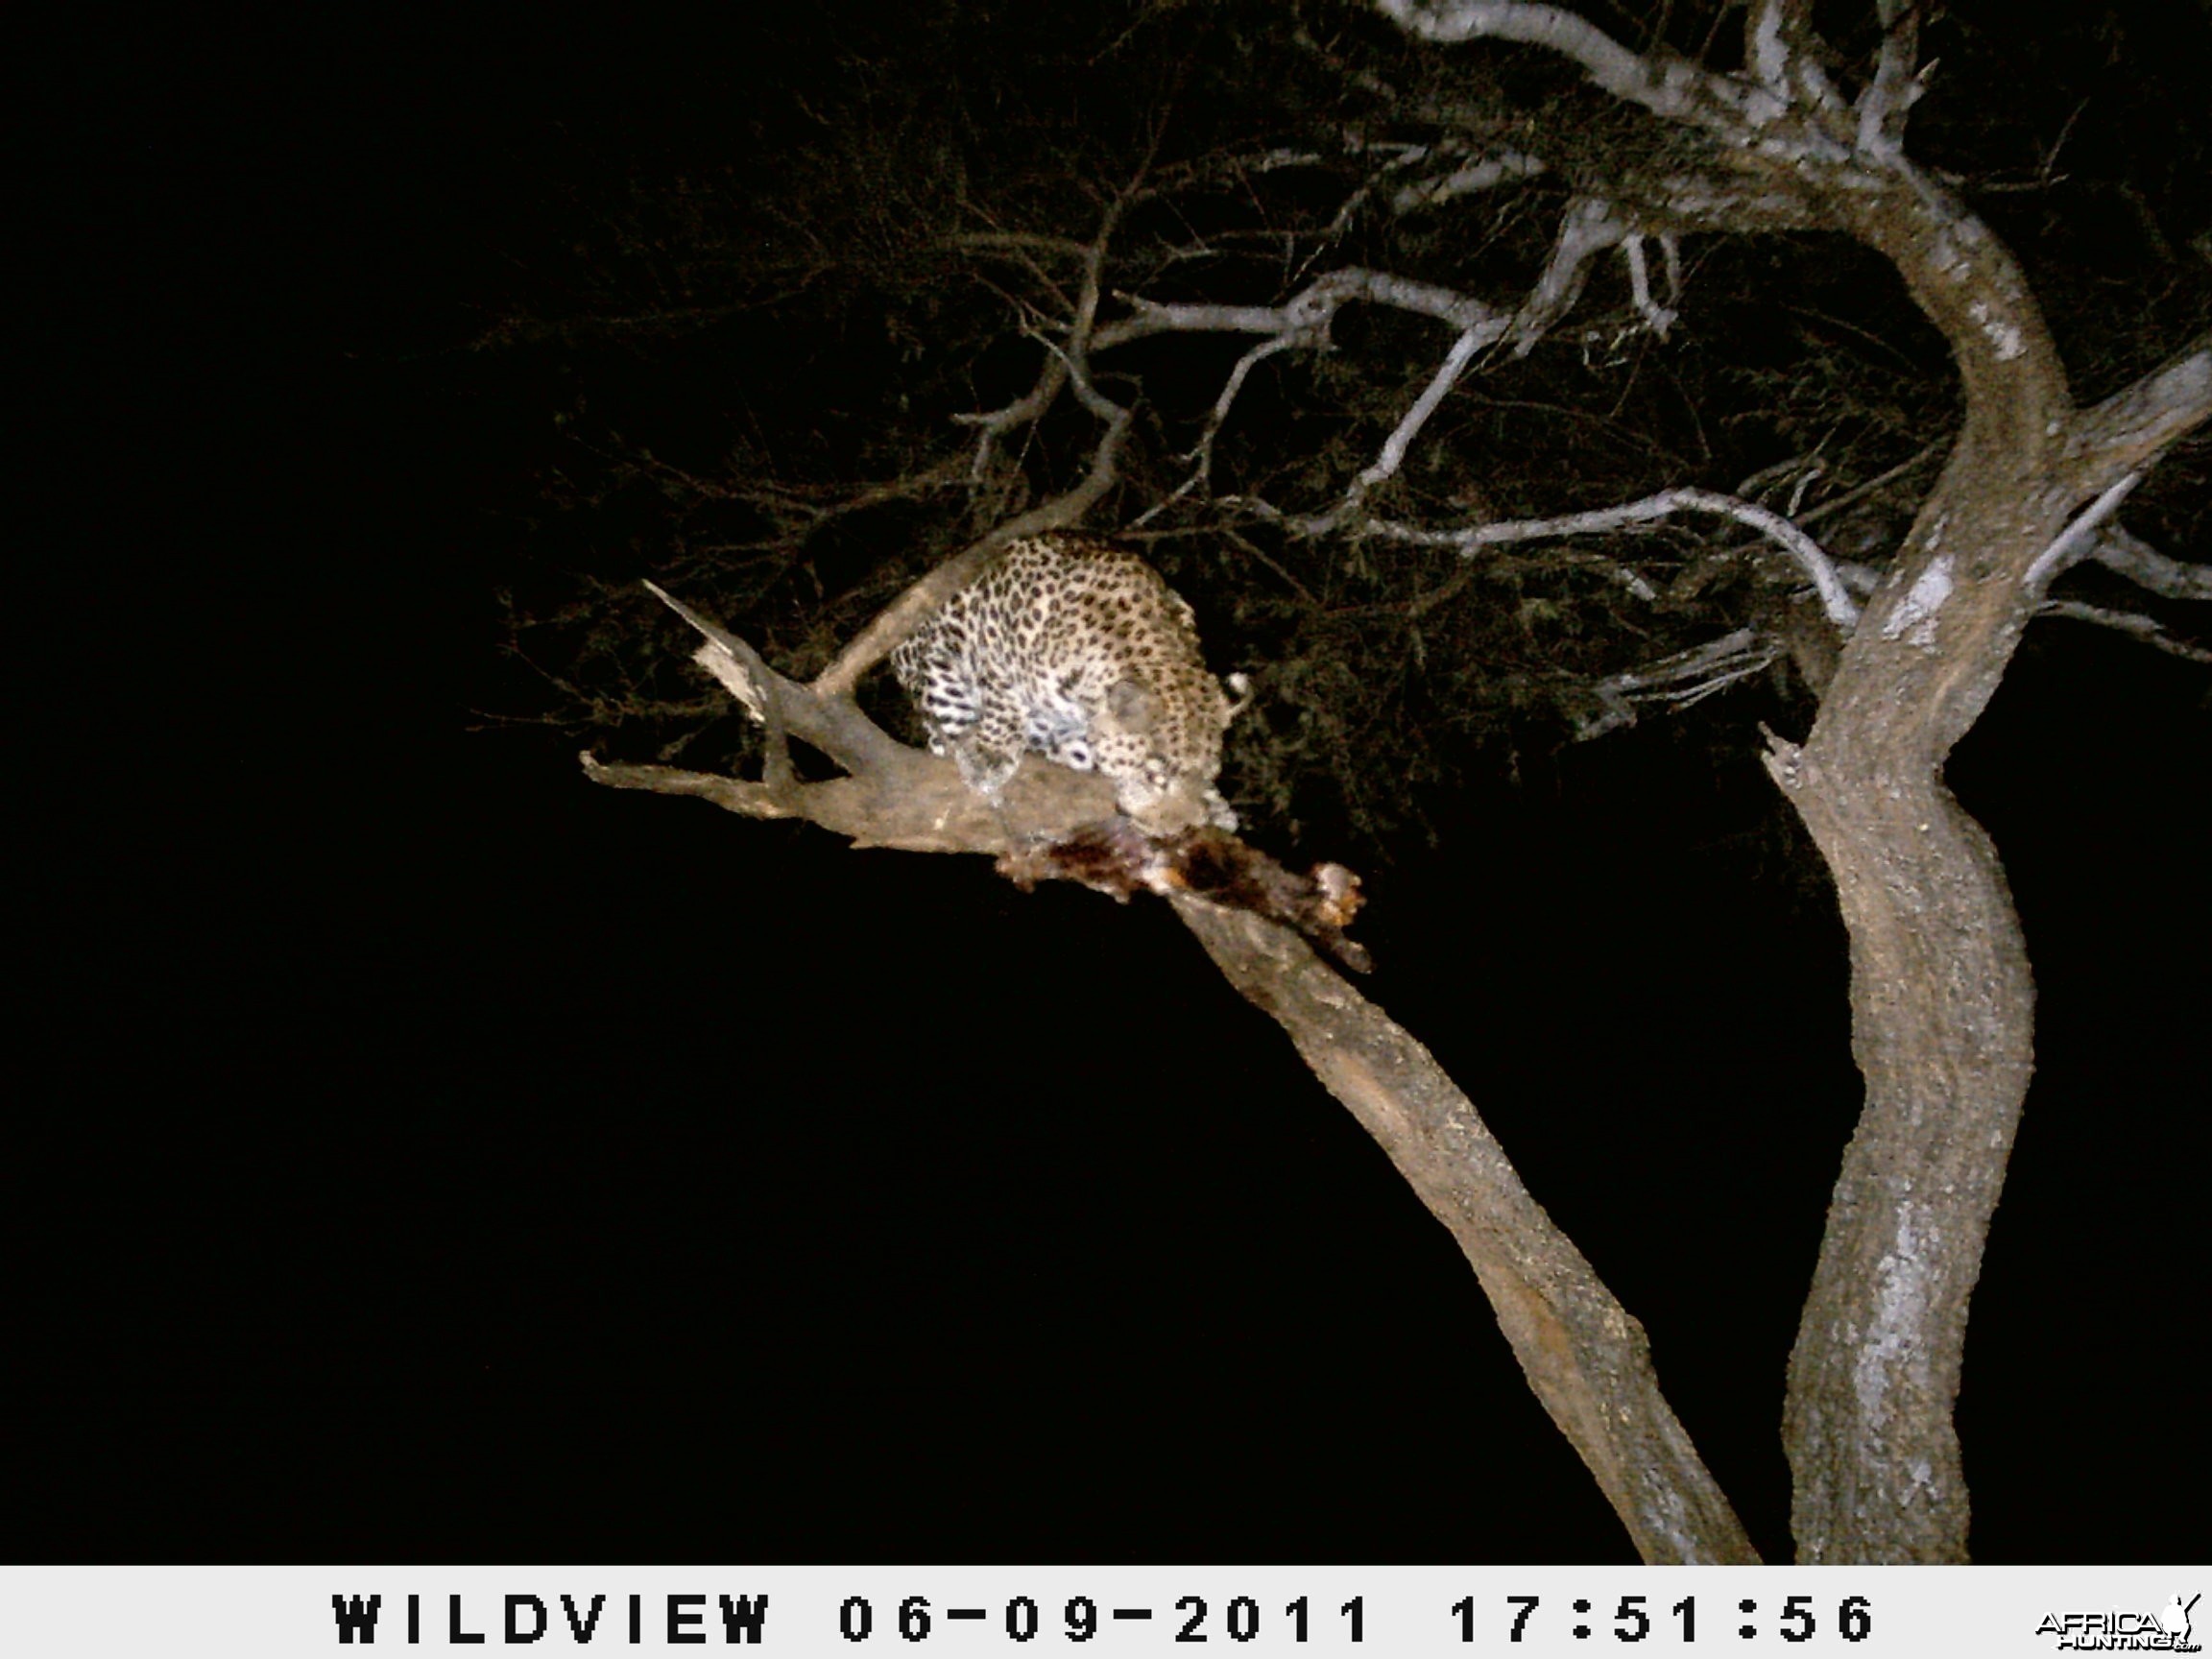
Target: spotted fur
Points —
{"points": [[1072, 648]]}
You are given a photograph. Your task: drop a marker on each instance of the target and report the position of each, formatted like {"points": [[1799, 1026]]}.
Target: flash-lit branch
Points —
{"points": [[1066, 364], [1447, 375], [2128, 555], [1656, 317], [1589, 226], [1401, 440], [830, 725], [1894, 88], [1669, 91], [1686, 678], [1498, 167], [993, 424], [2076, 541], [2135, 425], [2127, 622], [1835, 596], [1303, 322], [1306, 314], [1200, 456], [1775, 36]]}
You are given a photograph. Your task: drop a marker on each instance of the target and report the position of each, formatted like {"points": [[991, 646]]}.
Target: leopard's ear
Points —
{"points": [[1133, 704]]}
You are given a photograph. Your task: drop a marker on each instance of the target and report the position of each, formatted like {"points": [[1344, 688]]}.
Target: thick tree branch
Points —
{"points": [[833, 726], [1667, 86], [1586, 1358], [894, 796], [2133, 427]]}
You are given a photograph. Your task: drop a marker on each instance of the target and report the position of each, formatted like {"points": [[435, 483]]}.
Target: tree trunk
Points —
{"points": [[1942, 1009], [1943, 999]]}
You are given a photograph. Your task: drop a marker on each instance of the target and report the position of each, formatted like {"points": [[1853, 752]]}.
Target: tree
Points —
{"points": [[1394, 170]]}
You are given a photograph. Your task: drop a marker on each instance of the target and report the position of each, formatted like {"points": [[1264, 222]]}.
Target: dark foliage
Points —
{"points": [[755, 345]]}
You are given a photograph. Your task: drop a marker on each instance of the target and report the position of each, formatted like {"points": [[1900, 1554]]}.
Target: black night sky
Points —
{"points": [[421, 1154]]}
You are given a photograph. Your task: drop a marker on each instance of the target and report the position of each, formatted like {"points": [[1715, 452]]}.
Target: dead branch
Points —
{"points": [[1587, 228], [1896, 87]]}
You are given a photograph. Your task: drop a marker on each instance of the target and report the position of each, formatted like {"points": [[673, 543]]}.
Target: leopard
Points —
{"points": [[1071, 647]]}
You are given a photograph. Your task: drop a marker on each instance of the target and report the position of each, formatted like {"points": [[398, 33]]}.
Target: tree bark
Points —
{"points": [[1942, 1029], [1942, 996], [1942, 999], [1585, 1356]]}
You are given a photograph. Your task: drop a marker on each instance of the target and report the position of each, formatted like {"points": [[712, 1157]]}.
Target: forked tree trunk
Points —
{"points": [[1942, 999]]}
